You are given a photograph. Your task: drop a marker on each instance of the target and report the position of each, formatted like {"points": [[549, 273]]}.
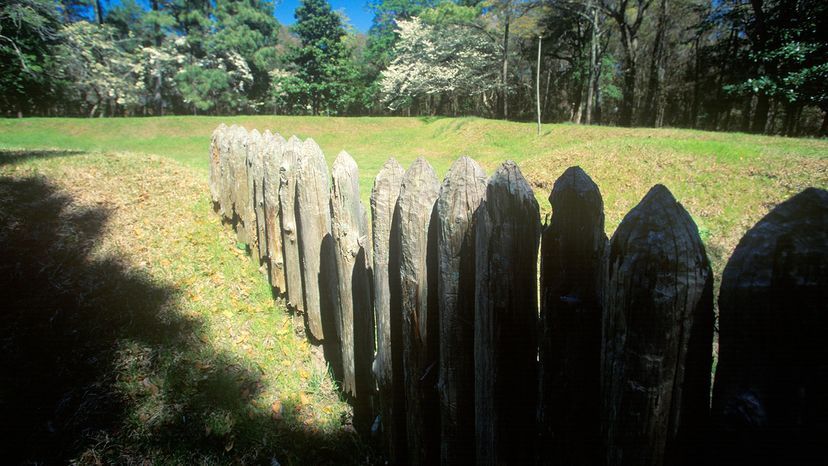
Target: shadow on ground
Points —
{"points": [[11, 157], [98, 366]]}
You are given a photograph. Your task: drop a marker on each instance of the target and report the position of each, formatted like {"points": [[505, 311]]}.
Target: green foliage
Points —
{"points": [[28, 37], [790, 53], [319, 73]]}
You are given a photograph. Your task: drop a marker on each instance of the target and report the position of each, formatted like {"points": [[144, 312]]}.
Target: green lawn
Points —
{"points": [[726, 180], [113, 216]]}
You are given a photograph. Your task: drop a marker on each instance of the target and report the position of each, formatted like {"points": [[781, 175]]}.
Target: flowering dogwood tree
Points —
{"points": [[456, 59]]}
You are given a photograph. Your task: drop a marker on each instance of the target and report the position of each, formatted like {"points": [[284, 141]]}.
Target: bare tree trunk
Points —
{"points": [[649, 116], [537, 84], [593, 65], [504, 76]]}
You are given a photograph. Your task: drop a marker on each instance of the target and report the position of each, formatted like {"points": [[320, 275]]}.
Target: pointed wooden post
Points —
{"points": [[255, 176], [415, 207], [388, 363], [228, 164], [290, 240], [274, 146], [240, 193], [507, 233], [216, 145], [572, 267], [657, 334], [770, 400], [349, 226], [313, 200], [461, 193]]}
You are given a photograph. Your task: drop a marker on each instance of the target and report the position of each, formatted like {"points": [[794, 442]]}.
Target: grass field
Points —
{"points": [[133, 297]]}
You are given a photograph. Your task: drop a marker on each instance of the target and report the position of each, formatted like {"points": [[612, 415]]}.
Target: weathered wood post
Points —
{"points": [[241, 204], [461, 193], [388, 363], [770, 400], [313, 200], [274, 146], [216, 145], [572, 267], [507, 233], [228, 164], [349, 226], [415, 208], [290, 240], [657, 334], [255, 213]]}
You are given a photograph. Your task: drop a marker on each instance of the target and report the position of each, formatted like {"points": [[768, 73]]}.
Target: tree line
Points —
{"points": [[730, 65]]}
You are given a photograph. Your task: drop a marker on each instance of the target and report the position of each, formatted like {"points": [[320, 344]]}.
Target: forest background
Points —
{"points": [[728, 65]]}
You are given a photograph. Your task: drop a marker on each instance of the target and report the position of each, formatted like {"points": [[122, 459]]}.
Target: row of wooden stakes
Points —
{"points": [[434, 320]]}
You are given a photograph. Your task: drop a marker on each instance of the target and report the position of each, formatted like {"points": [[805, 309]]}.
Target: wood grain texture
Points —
{"points": [[572, 268], [274, 146], [255, 212], [240, 195], [216, 145], [417, 240], [387, 366], [657, 334], [290, 240], [507, 232], [770, 400], [227, 174], [313, 216], [349, 226], [462, 192]]}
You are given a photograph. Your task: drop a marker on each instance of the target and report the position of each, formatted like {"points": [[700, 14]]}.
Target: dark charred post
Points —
{"points": [[241, 204], [313, 215], [572, 266], [507, 232], [463, 189], [349, 226], [227, 167], [290, 240], [415, 206], [216, 143], [770, 400], [273, 148], [255, 214], [657, 335], [388, 363]]}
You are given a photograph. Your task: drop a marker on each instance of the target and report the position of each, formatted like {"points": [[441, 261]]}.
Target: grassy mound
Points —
{"points": [[133, 330]]}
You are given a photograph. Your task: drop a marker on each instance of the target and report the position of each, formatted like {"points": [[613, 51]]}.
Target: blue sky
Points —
{"points": [[357, 12]]}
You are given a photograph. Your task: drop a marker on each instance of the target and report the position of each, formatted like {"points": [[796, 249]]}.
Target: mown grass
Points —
{"points": [[238, 355], [727, 181], [134, 329]]}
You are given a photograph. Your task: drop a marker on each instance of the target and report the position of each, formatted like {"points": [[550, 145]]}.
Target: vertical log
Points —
{"points": [[254, 186], [290, 240], [216, 143], [572, 258], [507, 233], [274, 146], [770, 400], [657, 334], [313, 200], [415, 207], [349, 227], [228, 165], [461, 193], [240, 194], [388, 363]]}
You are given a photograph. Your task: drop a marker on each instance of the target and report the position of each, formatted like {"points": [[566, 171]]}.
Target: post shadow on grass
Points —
{"points": [[77, 330], [11, 157]]}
